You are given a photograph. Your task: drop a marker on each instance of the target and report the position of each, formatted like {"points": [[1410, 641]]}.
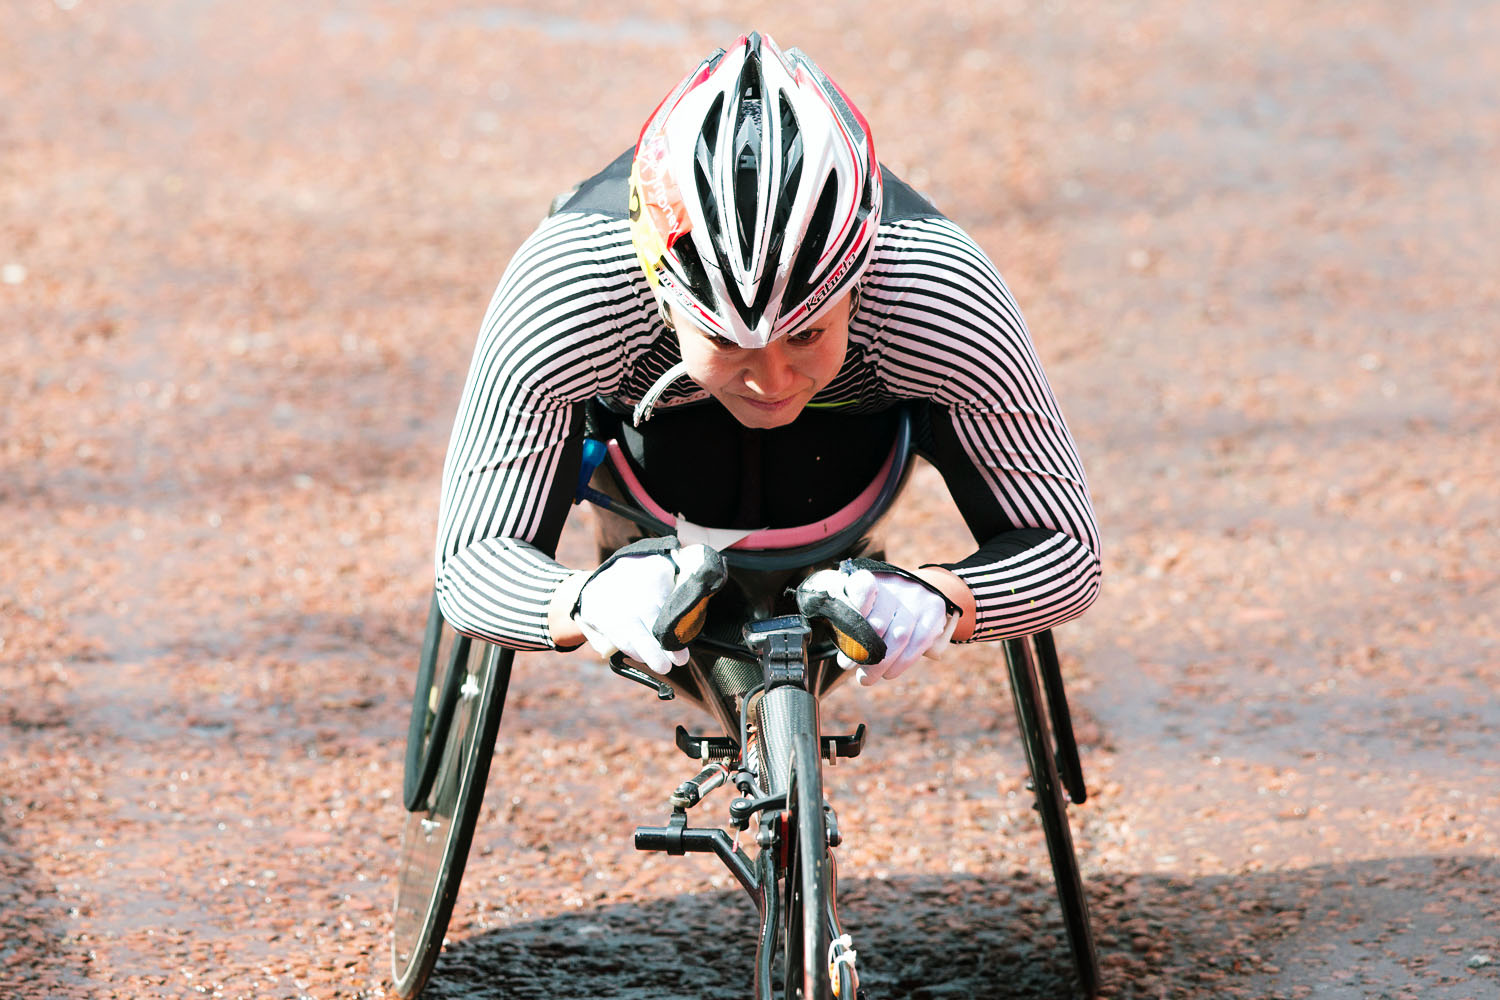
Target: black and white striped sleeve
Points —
{"points": [[958, 338], [554, 335]]}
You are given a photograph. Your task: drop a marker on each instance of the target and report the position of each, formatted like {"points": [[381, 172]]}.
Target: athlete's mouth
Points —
{"points": [[768, 404]]}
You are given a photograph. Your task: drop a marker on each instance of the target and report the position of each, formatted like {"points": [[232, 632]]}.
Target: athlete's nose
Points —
{"points": [[770, 372]]}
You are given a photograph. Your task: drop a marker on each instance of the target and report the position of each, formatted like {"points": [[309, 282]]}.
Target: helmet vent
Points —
{"points": [[708, 137], [818, 227], [749, 131], [711, 219], [747, 143], [695, 273], [791, 169], [703, 169]]}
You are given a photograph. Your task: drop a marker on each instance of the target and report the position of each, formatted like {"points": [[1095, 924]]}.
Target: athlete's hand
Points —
{"points": [[648, 601], [908, 617]]}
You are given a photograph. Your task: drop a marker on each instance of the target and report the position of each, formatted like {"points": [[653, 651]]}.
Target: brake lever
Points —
{"points": [[663, 690]]}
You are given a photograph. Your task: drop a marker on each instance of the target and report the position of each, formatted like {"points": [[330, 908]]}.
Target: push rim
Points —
{"points": [[432, 705], [1037, 741], [435, 839]]}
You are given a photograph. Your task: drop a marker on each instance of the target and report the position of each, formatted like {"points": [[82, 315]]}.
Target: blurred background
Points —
{"points": [[244, 252]]}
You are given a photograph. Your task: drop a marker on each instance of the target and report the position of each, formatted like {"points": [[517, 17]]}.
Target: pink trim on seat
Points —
{"points": [[765, 538]]}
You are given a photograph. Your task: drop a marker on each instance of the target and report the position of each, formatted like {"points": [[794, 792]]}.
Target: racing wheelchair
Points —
{"points": [[758, 667]]}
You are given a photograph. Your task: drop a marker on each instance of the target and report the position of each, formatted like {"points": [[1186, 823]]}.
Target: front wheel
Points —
{"points": [[801, 916], [809, 877]]}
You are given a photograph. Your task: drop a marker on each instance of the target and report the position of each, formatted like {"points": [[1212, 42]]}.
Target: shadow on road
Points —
{"points": [[31, 916], [1387, 928]]}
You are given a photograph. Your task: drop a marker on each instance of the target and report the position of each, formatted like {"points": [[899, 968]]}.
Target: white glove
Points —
{"points": [[619, 606], [648, 593], [910, 617]]}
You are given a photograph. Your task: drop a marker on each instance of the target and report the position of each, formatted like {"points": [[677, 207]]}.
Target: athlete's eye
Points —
{"points": [[805, 337], [722, 343]]}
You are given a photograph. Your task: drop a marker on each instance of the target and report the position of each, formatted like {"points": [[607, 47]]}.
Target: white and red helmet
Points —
{"points": [[754, 193]]}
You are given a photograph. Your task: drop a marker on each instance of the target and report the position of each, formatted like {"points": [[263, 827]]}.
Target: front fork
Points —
{"points": [[758, 877], [781, 645]]}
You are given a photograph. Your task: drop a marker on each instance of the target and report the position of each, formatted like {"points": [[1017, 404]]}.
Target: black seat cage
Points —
{"points": [[771, 560]]}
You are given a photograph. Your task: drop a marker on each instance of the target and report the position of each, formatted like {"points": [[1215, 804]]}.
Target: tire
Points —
{"points": [[808, 883], [439, 677], [435, 838], [801, 918], [1069, 769], [1037, 739]]}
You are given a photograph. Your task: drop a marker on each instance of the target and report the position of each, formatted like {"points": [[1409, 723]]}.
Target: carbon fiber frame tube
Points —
{"points": [[781, 712]]}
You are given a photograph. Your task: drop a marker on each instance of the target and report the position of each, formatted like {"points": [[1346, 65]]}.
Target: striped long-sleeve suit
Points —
{"points": [[574, 319]]}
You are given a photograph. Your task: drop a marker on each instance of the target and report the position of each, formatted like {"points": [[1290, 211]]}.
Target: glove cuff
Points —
{"points": [[877, 566]]}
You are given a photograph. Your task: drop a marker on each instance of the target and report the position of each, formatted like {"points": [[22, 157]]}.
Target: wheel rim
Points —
{"points": [[432, 707], [1037, 741], [435, 839], [808, 910]]}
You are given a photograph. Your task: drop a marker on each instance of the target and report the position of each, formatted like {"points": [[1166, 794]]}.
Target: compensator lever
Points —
{"points": [[707, 748], [846, 747]]}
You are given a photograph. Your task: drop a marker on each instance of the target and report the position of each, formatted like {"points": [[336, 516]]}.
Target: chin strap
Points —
{"points": [[643, 409]]}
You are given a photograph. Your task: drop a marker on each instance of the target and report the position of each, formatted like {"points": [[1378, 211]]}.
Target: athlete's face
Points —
{"points": [[766, 386]]}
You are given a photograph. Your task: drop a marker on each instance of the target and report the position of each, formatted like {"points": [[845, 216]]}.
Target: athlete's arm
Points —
{"points": [[548, 342], [953, 588], [954, 335]]}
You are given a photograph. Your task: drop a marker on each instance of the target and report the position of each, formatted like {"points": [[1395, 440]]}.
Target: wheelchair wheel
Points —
{"points": [[436, 836], [440, 674], [1050, 803], [808, 884], [800, 919], [1069, 769]]}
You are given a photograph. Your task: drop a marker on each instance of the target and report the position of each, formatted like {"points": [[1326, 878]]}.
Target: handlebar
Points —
{"points": [[619, 665], [784, 639]]}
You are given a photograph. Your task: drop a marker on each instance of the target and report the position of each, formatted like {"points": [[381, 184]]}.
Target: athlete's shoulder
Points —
{"points": [[608, 193], [900, 202], [914, 230], [605, 193]]}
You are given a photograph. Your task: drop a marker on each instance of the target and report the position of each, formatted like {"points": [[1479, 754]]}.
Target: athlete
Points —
{"points": [[744, 298]]}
